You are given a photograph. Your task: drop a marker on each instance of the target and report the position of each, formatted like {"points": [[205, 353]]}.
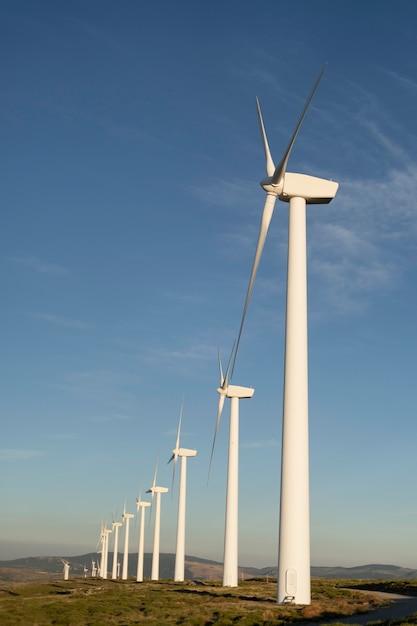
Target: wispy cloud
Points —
{"points": [[43, 267], [194, 353], [16, 454], [262, 443], [405, 82], [114, 417], [390, 146], [58, 320], [224, 192], [60, 436], [360, 250], [116, 390]]}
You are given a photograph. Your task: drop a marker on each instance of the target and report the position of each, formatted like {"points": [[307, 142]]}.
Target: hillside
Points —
{"points": [[40, 568]]}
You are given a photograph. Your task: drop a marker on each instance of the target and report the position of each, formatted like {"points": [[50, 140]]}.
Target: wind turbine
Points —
{"points": [[183, 453], [66, 568], [102, 562], [126, 518], [142, 505], [116, 526], [157, 529], [299, 190], [235, 393], [106, 532]]}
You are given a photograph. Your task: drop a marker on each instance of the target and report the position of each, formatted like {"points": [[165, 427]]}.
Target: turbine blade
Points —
{"points": [[226, 378], [177, 443], [270, 167], [263, 231], [156, 471], [176, 449], [171, 458], [219, 414], [220, 368], [282, 165]]}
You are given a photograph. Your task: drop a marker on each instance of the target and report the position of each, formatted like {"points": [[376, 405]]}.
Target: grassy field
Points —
{"points": [[96, 602]]}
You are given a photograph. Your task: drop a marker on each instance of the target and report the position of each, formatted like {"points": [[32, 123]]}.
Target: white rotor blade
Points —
{"points": [[282, 165], [263, 231], [270, 167], [174, 456], [219, 414], [224, 380], [138, 499]]}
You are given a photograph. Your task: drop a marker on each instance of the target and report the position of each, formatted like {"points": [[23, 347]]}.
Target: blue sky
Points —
{"points": [[131, 161]]}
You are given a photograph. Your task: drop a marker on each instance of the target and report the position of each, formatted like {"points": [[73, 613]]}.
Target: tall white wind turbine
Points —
{"points": [[142, 505], [183, 453], [235, 393], [126, 518], [101, 569], [66, 569], [106, 533], [294, 530], [157, 529], [116, 526]]}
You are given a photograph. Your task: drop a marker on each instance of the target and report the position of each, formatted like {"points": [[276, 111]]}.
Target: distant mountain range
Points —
{"points": [[47, 567]]}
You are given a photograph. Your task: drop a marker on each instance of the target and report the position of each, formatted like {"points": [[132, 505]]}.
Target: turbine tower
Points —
{"points": [[126, 518], [183, 453], [106, 533], [294, 529], [157, 529], [141, 504], [235, 393], [102, 562], [116, 526]]}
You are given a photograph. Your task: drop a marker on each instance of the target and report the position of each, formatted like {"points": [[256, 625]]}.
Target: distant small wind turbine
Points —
{"points": [[126, 518], [142, 505], [298, 190], [235, 393], [157, 529], [93, 569], [183, 453], [66, 569], [102, 562], [116, 526], [106, 533]]}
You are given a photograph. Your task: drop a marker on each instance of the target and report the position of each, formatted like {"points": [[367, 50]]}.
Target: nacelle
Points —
{"points": [[314, 190], [186, 452], [235, 391]]}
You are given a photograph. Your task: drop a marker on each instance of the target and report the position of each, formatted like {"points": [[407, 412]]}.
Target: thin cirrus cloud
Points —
{"points": [[59, 320], [18, 454], [43, 267], [265, 443]]}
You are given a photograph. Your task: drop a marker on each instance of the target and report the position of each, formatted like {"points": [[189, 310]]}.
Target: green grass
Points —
{"points": [[96, 602]]}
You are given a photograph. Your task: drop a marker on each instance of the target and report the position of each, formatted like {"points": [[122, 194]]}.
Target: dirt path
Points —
{"points": [[402, 606]]}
